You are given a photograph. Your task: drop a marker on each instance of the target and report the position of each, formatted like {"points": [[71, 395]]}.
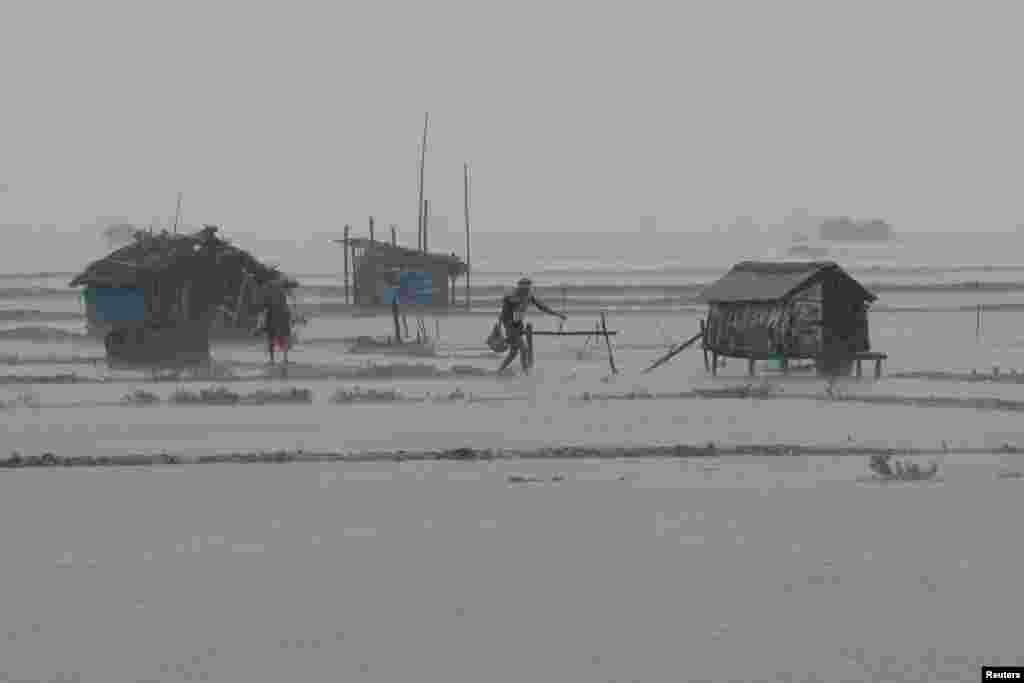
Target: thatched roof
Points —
{"points": [[752, 281], [156, 254], [411, 257]]}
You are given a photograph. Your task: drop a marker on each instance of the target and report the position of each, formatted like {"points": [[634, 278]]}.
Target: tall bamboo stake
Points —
{"points": [[426, 223], [608, 343], [394, 235], [348, 229], [423, 162], [177, 214], [465, 179]]}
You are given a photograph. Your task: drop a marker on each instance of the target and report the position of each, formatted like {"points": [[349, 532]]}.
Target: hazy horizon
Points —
{"points": [[289, 122]]}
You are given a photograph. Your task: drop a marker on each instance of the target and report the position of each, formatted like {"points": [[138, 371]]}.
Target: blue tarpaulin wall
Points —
{"points": [[117, 305], [414, 287]]}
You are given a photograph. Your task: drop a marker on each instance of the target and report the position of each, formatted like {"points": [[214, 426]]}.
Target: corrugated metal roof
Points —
{"points": [[770, 281]]}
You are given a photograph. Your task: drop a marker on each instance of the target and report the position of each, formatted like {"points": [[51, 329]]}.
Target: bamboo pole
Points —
{"points": [[703, 344], [426, 223], [355, 277], [348, 229], [674, 352], [394, 314], [571, 333], [529, 346], [394, 235], [423, 162], [465, 178], [177, 214], [608, 343], [371, 262]]}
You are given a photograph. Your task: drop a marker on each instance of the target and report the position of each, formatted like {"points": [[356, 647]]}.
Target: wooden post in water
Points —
{"points": [[344, 243], [426, 223], [608, 343], [423, 161], [529, 346], [177, 214], [977, 325], [465, 179], [394, 235], [371, 232], [355, 277], [703, 344], [394, 314]]}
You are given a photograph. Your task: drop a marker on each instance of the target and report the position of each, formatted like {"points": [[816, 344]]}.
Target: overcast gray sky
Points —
{"points": [[292, 118]]}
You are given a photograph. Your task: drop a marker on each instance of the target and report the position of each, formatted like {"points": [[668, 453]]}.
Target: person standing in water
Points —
{"points": [[277, 320], [513, 310]]}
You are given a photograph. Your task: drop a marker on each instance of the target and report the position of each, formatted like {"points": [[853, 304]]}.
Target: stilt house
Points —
{"points": [[791, 310], [421, 279]]}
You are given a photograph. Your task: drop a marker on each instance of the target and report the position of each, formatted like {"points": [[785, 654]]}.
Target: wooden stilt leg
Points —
{"points": [[703, 345], [714, 364], [878, 368], [860, 369], [750, 367]]}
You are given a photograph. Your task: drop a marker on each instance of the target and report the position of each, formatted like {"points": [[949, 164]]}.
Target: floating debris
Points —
{"points": [[359, 395], [290, 395], [523, 479], [140, 397], [884, 467]]}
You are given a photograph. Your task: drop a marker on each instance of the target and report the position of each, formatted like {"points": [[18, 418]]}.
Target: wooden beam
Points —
{"points": [[426, 223], [529, 346], [465, 179], [348, 228], [608, 343], [573, 333], [423, 161], [703, 344], [676, 351]]}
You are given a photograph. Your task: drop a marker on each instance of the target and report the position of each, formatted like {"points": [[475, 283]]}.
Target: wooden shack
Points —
{"points": [[380, 268], [156, 301], [789, 310]]}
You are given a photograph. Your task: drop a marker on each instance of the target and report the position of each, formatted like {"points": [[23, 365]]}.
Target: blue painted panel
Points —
{"points": [[415, 288], [117, 305]]}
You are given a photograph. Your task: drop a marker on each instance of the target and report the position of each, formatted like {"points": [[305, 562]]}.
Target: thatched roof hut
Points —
{"points": [[187, 277], [788, 310]]}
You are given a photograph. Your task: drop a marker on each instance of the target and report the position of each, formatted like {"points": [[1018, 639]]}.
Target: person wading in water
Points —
{"points": [[513, 309], [277, 320]]}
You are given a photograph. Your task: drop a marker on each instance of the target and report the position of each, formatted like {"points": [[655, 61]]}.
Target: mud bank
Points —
{"points": [[679, 451]]}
